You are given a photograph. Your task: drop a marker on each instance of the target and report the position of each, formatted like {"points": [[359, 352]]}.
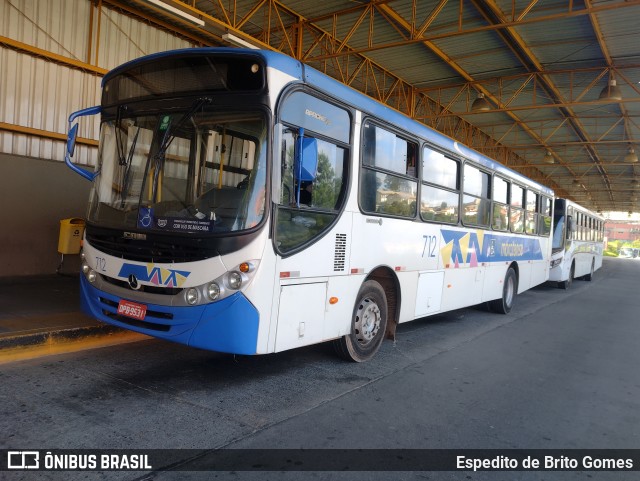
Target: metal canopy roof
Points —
{"points": [[541, 65]]}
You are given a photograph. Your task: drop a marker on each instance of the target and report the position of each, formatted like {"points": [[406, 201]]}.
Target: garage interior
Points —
{"points": [[549, 89]]}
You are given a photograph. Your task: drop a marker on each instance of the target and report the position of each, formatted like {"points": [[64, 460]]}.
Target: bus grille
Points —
{"points": [[152, 326], [167, 291], [148, 251]]}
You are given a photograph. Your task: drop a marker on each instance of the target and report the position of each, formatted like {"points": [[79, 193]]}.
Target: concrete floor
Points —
{"points": [[559, 372]]}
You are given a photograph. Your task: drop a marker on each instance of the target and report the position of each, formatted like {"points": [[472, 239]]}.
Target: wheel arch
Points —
{"points": [[572, 267], [516, 268], [387, 278]]}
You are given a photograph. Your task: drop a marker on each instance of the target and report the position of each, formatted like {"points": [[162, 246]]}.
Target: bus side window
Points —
{"points": [[440, 196], [516, 221], [500, 204], [544, 216], [389, 184], [476, 201], [571, 224], [531, 207], [320, 200]]}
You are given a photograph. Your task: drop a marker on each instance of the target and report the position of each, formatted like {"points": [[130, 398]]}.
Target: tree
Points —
{"points": [[326, 187]]}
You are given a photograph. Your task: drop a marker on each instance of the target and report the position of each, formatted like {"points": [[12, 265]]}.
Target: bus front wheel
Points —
{"points": [[368, 324], [509, 292], [567, 284]]}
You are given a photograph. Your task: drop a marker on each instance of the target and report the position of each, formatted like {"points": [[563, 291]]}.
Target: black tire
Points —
{"points": [[509, 293], [589, 277], [368, 324], [567, 284]]}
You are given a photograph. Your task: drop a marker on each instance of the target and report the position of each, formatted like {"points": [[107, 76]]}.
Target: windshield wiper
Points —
{"points": [[117, 130], [126, 181], [120, 148], [168, 138]]}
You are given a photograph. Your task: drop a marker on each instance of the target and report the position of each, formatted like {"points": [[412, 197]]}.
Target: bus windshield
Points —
{"points": [[196, 171], [558, 233]]}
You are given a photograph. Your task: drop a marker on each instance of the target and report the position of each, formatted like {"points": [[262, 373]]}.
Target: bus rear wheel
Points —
{"points": [[589, 277], [368, 324], [509, 292]]}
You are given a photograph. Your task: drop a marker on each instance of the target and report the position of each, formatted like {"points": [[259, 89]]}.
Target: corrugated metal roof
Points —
{"points": [[542, 71]]}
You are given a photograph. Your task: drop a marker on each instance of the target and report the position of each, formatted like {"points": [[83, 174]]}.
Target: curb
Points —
{"points": [[62, 335]]}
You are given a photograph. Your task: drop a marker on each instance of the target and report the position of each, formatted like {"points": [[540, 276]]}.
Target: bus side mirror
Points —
{"points": [[307, 160], [71, 140], [72, 135]]}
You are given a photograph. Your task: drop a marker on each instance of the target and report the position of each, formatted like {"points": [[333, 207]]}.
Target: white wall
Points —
{"points": [[36, 189]]}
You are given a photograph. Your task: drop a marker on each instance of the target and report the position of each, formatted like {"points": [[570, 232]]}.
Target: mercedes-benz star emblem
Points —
{"points": [[133, 282]]}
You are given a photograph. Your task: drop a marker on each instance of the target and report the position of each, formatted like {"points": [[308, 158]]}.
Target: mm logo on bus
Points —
{"points": [[154, 275], [469, 248]]}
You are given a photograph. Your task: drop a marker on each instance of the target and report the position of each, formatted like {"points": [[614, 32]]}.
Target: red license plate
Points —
{"points": [[132, 309]]}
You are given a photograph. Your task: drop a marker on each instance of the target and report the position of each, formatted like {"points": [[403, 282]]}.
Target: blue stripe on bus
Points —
{"points": [[229, 325], [470, 248]]}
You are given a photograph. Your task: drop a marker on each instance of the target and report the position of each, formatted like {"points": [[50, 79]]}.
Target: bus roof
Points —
{"points": [[580, 208], [348, 95]]}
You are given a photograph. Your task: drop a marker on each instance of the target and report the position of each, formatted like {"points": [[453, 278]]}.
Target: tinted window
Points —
{"points": [[308, 209], [313, 114], [532, 201], [545, 206], [476, 204], [500, 190], [544, 219], [388, 184], [500, 218], [516, 195], [181, 74], [439, 205], [476, 182], [388, 194], [438, 169], [386, 150]]}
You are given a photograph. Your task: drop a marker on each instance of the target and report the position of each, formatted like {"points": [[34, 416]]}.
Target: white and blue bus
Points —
{"points": [[243, 202], [578, 243]]}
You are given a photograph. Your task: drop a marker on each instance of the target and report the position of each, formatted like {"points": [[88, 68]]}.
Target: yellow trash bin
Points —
{"points": [[71, 232]]}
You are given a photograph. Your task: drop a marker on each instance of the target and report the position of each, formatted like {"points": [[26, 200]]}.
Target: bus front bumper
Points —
{"points": [[229, 325]]}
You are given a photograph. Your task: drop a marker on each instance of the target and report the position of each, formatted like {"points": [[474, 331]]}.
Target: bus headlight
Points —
{"points": [[223, 286], [191, 296], [85, 268], [234, 279], [213, 291], [92, 276], [555, 262]]}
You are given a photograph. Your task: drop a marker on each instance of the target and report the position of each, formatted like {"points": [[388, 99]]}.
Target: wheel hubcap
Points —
{"points": [[367, 322]]}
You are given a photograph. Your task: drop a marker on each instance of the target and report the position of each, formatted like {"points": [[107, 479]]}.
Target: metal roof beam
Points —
{"points": [[357, 70], [492, 12], [605, 51], [399, 20], [456, 31]]}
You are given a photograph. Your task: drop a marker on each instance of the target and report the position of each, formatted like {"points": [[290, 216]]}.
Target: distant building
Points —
{"points": [[622, 231]]}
